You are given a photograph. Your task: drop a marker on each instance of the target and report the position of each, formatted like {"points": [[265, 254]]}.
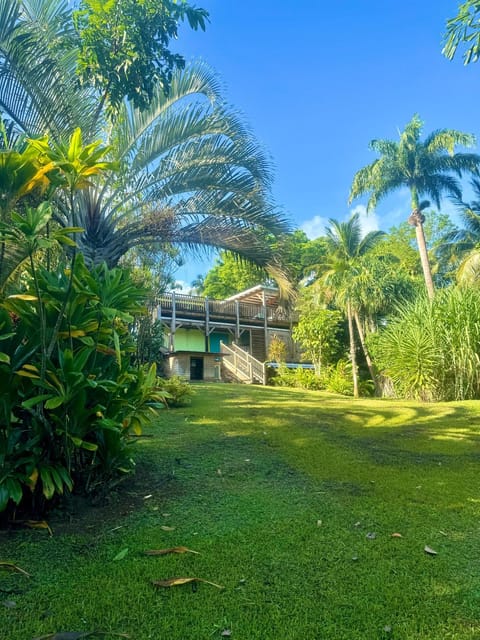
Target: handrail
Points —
{"points": [[244, 367], [221, 309]]}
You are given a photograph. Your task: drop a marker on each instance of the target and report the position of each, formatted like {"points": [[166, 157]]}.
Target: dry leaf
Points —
{"points": [[175, 582], [164, 527], [164, 552], [9, 604], [319, 523], [430, 551], [396, 535], [10, 566], [38, 524], [80, 635]]}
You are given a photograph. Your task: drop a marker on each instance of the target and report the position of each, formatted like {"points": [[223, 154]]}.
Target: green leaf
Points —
{"points": [[83, 444], [53, 403], [31, 402], [122, 554]]}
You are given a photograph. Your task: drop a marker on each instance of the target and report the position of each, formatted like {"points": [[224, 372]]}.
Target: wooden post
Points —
{"points": [[207, 324], [265, 323], [173, 323], [237, 324]]}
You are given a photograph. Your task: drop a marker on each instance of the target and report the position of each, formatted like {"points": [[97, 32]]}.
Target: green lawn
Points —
{"points": [[277, 490]]}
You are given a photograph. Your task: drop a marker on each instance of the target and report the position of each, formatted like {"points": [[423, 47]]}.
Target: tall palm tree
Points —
{"points": [[345, 250], [190, 174], [426, 168]]}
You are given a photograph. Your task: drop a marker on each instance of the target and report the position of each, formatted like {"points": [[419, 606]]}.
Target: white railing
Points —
{"points": [[242, 365]]}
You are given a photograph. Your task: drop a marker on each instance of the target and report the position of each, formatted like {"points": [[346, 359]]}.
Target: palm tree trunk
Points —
{"points": [[370, 365], [422, 248], [353, 356], [416, 219]]}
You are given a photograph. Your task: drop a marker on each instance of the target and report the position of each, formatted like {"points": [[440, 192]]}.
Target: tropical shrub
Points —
{"points": [[337, 378], [431, 349], [299, 378], [277, 349], [178, 391], [70, 400]]}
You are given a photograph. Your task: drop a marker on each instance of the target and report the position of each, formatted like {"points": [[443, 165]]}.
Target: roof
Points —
{"points": [[257, 295]]}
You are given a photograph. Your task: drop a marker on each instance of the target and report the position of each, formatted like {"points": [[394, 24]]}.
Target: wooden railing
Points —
{"points": [[196, 307], [243, 366]]}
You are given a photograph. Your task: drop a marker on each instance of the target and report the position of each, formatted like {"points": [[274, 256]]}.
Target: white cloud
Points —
{"points": [[182, 287], [314, 227], [368, 221]]}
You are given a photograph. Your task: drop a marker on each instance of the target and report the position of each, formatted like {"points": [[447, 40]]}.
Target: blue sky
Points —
{"points": [[317, 80]]}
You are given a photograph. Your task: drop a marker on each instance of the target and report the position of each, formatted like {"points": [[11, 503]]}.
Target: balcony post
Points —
{"points": [[173, 323], [237, 323], [265, 322]]}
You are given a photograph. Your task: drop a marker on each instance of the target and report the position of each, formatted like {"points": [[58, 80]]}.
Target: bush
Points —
{"points": [[337, 378], [70, 400], [299, 378], [431, 349], [178, 391]]}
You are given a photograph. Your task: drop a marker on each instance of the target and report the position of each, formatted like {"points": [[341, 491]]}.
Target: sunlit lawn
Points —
{"points": [[291, 499]]}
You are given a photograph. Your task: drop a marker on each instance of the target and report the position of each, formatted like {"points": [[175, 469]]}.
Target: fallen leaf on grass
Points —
{"points": [[430, 551], [396, 535], [164, 527], [121, 555], [10, 566], [80, 635], [38, 524], [175, 582], [164, 552], [9, 604]]}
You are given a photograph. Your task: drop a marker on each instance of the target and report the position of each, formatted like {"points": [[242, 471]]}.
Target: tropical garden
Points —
{"points": [[118, 160]]}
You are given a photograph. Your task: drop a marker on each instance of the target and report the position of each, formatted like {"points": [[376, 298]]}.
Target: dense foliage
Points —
{"points": [[430, 350]]}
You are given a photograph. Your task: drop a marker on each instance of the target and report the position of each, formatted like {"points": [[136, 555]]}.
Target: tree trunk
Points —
{"points": [[417, 219], [353, 356], [370, 365]]}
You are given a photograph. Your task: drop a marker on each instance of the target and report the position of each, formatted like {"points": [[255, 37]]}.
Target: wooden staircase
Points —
{"points": [[241, 366]]}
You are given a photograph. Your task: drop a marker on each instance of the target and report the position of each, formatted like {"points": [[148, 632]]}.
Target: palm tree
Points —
{"points": [[39, 88], [191, 173], [426, 168], [345, 250], [460, 246]]}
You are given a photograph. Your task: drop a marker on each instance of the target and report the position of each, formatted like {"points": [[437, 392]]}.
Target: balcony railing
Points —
{"points": [[182, 306]]}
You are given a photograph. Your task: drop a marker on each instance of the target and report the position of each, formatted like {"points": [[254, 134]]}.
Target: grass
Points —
{"points": [[277, 489]]}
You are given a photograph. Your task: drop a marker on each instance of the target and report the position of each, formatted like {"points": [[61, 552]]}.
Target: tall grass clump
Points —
{"points": [[431, 349]]}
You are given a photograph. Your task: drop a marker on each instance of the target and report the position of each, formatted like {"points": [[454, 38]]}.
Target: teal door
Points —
{"points": [[215, 339]]}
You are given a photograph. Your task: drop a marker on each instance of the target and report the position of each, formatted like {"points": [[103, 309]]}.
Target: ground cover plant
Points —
{"points": [[290, 498]]}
